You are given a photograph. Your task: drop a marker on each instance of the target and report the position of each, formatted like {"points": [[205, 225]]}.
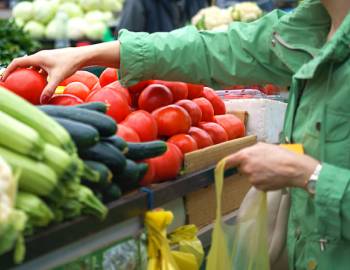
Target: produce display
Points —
{"points": [[96, 139], [72, 19], [215, 18], [49, 170]]}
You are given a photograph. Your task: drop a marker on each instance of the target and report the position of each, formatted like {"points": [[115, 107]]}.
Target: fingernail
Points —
{"points": [[44, 99]]}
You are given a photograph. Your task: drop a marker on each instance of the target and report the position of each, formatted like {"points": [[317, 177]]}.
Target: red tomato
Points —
{"points": [[96, 87], [216, 132], [27, 83], [144, 124], [127, 133], [118, 108], [206, 108], [232, 125], [194, 90], [179, 89], [65, 100], [255, 86], [179, 153], [85, 77], [108, 76], [193, 110], [218, 104], [171, 120], [154, 96], [184, 142], [117, 87], [202, 137], [77, 89], [137, 88], [270, 89], [150, 175], [168, 165], [135, 99]]}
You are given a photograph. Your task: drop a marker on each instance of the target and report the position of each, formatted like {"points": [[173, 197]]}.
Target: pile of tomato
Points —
{"points": [[187, 116]]}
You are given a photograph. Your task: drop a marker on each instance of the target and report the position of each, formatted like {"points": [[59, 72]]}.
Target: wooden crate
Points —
{"points": [[201, 205]]}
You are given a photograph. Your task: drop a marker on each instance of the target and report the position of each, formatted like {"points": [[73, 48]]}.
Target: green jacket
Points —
{"points": [[290, 50]]}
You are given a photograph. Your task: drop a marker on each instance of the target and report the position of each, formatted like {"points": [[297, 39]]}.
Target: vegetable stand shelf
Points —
{"points": [[72, 240], [87, 234]]}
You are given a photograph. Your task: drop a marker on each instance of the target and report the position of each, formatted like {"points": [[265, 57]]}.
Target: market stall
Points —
{"points": [[92, 162], [191, 195]]}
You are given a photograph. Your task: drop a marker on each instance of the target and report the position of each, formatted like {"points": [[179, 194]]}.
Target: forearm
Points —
{"points": [[241, 55], [103, 54]]}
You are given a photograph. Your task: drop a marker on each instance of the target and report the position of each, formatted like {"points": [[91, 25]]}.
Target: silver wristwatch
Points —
{"points": [[311, 183]]}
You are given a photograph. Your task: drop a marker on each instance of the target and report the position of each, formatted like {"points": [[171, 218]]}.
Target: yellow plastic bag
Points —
{"points": [[242, 246], [185, 238], [160, 256]]}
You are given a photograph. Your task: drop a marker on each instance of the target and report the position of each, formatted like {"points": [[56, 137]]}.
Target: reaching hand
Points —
{"points": [[58, 64], [61, 63]]}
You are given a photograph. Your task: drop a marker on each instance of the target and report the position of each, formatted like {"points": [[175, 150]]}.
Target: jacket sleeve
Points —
{"points": [[332, 201], [241, 55]]}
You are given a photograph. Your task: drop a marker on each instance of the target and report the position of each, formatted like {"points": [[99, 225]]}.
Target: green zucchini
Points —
{"points": [[105, 175], [111, 193], [84, 136], [107, 154], [93, 106], [143, 168], [139, 151], [104, 124], [98, 195], [129, 178], [89, 174], [118, 142]]}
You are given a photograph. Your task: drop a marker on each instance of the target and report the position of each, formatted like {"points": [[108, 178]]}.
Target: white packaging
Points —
{"points": [[265, 117]]}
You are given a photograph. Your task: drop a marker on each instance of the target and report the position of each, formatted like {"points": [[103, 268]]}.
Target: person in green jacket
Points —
{"points": [[308, 50]]}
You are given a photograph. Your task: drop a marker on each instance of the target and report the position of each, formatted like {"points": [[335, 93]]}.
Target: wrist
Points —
{"points": [[310, 184], [103, 54], [304, 169]]}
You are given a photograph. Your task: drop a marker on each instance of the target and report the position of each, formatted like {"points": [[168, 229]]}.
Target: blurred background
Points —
{"points": [[28, 26]]}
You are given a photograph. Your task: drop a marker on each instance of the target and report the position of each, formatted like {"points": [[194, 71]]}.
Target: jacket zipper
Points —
{"points": [[323, 243], [288, 46]]}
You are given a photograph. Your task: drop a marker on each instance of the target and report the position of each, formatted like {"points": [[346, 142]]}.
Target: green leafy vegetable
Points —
{"points": [[14, 42]]}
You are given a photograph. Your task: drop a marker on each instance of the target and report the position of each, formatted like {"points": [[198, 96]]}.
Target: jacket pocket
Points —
{"points": [[337, 125], [337, 138]]}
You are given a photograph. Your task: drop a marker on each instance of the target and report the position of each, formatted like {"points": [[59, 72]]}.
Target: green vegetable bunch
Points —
{"points": [[14, 42]]}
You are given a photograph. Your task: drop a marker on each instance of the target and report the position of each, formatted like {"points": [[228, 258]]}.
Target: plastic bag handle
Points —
{"points": [[219, 182]]}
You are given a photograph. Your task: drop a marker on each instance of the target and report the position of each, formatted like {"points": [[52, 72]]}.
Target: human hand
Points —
{"points": [[271, 167], [58, 64], [61, 63]]}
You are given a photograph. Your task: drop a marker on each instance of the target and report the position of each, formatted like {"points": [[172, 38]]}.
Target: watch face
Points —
{"points": [[311, 186]]}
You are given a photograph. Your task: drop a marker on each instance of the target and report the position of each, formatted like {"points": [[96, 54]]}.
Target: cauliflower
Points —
{"points": [[76, 28], [71, 9], [44, 11], [35, 29], [212, 17], [23, 11], [246, 12]]}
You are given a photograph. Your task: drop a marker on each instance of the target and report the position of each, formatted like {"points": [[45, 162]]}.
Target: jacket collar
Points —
{"points": [[336, 50], [306, 28]]}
